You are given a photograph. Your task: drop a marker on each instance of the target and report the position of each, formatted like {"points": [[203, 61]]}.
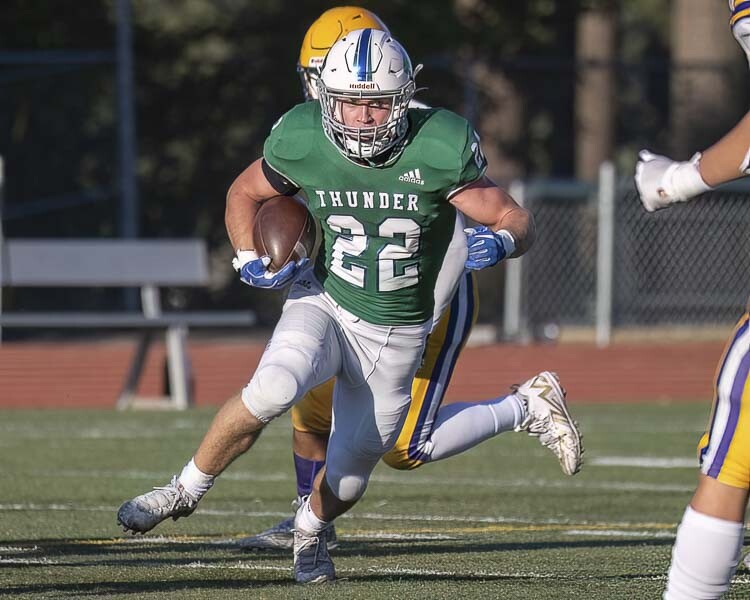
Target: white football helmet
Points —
{"points": [[366, 64]]}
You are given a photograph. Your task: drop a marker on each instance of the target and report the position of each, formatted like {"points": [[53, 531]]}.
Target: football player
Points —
{"points": [[710, 535], [432, 431], [385, 183]]}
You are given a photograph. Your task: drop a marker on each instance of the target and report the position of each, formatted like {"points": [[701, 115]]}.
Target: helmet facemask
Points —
{"points": [[365, 142], [366, 66]]}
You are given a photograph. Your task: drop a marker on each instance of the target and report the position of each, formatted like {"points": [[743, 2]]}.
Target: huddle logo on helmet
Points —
{"points": [[363, 86], [412, 177]]}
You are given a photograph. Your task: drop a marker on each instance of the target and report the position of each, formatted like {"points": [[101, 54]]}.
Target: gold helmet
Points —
{"points": [[330, 27]]}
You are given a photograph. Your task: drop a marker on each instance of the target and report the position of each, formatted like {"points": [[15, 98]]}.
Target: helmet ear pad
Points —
{"points": [[366, 64]]}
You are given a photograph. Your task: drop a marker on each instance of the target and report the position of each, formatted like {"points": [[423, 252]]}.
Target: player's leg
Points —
{"points": [[428, 434], [371, 399], [302, 353], [311, 426], [433, 432], [709, 539]]}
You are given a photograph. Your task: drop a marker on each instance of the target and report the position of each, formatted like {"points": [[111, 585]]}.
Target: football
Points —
{"points": [[284, 230]]}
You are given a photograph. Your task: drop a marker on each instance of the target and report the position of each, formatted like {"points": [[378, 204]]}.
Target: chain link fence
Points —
{"points": [[686, 266], [559, 273]]}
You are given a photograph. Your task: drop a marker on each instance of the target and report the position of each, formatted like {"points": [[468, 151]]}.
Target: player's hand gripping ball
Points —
{"points": [[285, 240]]}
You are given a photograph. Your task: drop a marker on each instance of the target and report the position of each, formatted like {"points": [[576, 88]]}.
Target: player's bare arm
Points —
{"points": [[490, 205], [251, 188], [662, 181], [729, 158], [244, 198]]}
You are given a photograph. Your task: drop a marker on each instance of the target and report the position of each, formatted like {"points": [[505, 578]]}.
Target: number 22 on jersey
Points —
{"points": [[391, 270]]}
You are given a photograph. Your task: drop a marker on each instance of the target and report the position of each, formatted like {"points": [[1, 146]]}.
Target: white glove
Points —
{"points": [[662, 181]]}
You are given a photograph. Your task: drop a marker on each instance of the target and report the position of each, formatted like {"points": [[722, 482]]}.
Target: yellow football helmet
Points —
{"points": [[329, 28]]}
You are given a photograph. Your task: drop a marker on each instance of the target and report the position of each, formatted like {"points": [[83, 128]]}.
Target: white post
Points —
{"points": [[126, 132], [605, 254], [512, 314], [151, 301], [179, 371], [178, 368]]}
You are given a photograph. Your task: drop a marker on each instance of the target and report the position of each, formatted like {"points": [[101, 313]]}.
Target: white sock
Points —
{"points": [[306, 520], [704, 557], [462, 425], [195, 481]]}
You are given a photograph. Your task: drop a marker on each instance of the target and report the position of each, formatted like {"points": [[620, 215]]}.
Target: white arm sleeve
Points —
{"points": [[451, 271]]}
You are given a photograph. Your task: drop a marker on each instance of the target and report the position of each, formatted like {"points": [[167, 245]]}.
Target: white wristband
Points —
{"points": [[685, 180], [243, 257], [509, 243]]}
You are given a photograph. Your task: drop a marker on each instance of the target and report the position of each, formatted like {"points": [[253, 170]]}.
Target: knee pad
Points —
{"points": [[347, 488], [348, 471], [271, 391]]}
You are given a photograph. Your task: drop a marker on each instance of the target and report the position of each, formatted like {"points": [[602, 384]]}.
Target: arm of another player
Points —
{"points": [[507, 229], [249, 190], [662, 181]]}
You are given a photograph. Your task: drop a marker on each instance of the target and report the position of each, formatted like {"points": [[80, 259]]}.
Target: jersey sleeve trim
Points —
{"points": [[281, 183], [466, 184]]}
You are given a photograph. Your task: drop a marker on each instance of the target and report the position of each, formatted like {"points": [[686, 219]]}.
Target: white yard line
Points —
{"points": [[380, 571], [18, 549], [643, 462], [399, 571], [368, 516], [400, 479], [26, 561], [619, 533]]}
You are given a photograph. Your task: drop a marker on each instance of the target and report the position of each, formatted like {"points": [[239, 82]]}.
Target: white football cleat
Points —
{"points": [[312, 563], [548, 419], [281, 537], [144, 512]]}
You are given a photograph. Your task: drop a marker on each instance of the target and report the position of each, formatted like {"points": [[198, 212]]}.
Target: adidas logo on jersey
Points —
{"points": [[412, 177]]}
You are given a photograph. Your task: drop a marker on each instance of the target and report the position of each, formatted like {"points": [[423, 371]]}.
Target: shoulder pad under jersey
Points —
{"points": [[442, 136], [292, 136], [414, 103]]}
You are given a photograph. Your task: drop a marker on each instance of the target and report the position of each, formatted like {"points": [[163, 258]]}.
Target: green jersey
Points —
{"points": [[385, 229]]}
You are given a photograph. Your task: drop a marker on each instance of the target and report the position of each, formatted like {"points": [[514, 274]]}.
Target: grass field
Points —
{"points": [[499, 521]]}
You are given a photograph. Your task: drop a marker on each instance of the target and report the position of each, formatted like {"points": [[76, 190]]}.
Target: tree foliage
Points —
{"points": [[212, 76]]}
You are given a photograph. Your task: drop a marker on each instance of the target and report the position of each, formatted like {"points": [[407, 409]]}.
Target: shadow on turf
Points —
{"points": [[137, 588], [373, 548], [379, 548], [87, 553], [137, 553], [132, 556]]}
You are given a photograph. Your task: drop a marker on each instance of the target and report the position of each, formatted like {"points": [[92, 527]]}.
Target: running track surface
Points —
{"points": [[91, 374]]}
